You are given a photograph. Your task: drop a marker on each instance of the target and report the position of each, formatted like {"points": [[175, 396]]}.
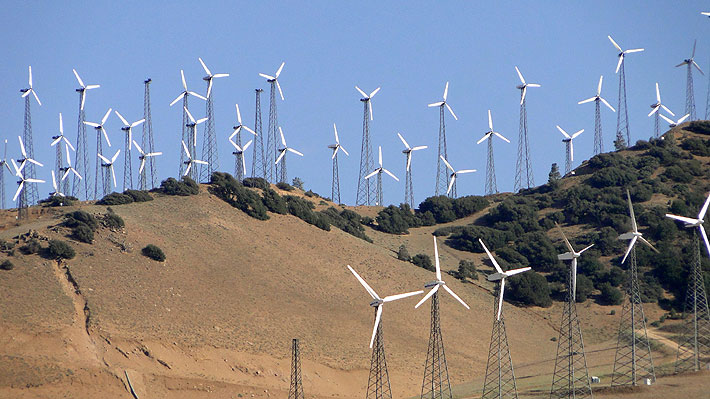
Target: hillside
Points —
{"points": [[216, 318]]}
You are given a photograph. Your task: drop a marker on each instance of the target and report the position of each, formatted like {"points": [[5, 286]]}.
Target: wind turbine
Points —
{"points": [[190, 160], [99, 127], [523, 167], [571, 377], [378, 172], [185, 121], [82, 150], [239, 159], [442, 177], [192, 138], [3, 166], [57, 141], [22, 207], [491, 185], [142, 157], [108, 164], [127, 166], [672, 123], [26, 92], [209, 146], [622, 121], [282, 156], [436, 374], [408, 190], [633, 361], [451, 191], [83, 88], [364, 186], [272, 173], [569, 147], [499, 381], [598, 139], [655, 109], [335, 185], [25, 158], [33, 195], [56, 191], [693, 347], [69, 168], [689, 93]]}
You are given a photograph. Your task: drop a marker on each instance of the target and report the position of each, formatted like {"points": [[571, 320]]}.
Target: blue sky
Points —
{"points": [[410, 49]]}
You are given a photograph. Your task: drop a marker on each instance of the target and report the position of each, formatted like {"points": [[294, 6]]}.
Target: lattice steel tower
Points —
{"points": [[100, 130], [272, 171], [598, 138], [491, 185], [58, 156], [623, 137], [523, 166], [436, 384], [335, 185], [30, 192], [689, 92], [295, 391], [500, 377], [210, 151], [378, 382], [82, 151], [3, 166], [185, 120], [694, 346], [442, 175], [148, 176], [366, 190], [258, 166], [239, 162]]}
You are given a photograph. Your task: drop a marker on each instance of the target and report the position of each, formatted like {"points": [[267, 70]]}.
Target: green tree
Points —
{"points": [[553, 178]]}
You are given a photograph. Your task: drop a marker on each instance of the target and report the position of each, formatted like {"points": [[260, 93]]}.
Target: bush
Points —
{"points": [[303, 209], [466, 270], [6, 265], [396, 220], [403, 254], [57, 200], [256, 182], [138, 195], [60, 250], [441, 208], [347, 220], [284, 186], [113, 221], [115, 199], [227, 188], [584, 288], [610, 295], [273, 202], [83, 233], [6, 245], [530, 288], [153, 252], [77, 218], [185, 187], [298, 183], [32, 247], [424, 262]]}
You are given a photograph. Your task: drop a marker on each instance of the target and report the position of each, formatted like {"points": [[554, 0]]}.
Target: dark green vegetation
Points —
{"points": [[441, 209], [153, 252], [57, 200], [129, 196], [59, 250], [186, 186], [82, 225], [245, 198], [6, 265]]}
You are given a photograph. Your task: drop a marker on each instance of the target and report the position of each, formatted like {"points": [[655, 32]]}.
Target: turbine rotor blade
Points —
{"points": [[427, 296], [446, 287], [377, 323]]}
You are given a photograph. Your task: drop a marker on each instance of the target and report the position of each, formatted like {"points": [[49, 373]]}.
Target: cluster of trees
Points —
{"points": [[438, 209]]}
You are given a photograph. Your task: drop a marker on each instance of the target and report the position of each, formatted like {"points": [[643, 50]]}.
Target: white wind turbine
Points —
{"points": [[21, 182], [408, 189], [598, 97], [83, 88], [378, 302], [29, 90], [696, 222], [673, 123], [239, 153], [108, 163], [622, 53], [335, 183], [655, 109], [190, 160], [210, 76], [366, 98], [500, 275], [572, 255], [378, 172], [128, 128], [127, 164], [452, 176], [442, 103], [282, 155], [275, 79], [707, 14], [56, 191], [143, 156], [491, 184], [634, 235], [240, 126], [61, 137], [69, 168], [435, 285], [598, 139], [100, 126], [185, 93], [523, 86], [23, 161], [569, 146]]}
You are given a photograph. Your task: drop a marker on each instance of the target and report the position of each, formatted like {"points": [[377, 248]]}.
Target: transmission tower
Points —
{"points": [[442, 174], [571, 377], [491, 185], [296, 389], [366, 191], [30, 193], [378, 382], [633, 361], [523, 166], [694, 346], [3, 166], [436, 383], [623, 137], [500, 379], [258, 166], [148, 176]]}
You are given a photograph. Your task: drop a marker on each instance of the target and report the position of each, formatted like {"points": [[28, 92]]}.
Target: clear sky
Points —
{"points": [[409, 48]]}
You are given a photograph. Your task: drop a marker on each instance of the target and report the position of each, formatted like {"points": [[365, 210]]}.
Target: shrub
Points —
{"points": [[303, 209], [298, 183], [6, 265], [273, 202], [153, 252], [403, 254], [256, 182], [31, 247], [115, 199], [441, 208], [60, 250], [367, 221], [584, 288], [396, 220], [284, 186], [468, 205], [423, 261], [113, 221], [530, 288], [347, 220], [227, 188], [185, 187], [610, 295], [78, 218], [138, 195], [467, 269], [57, 200], [83, 233], [311, 194], [6, 245]]}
